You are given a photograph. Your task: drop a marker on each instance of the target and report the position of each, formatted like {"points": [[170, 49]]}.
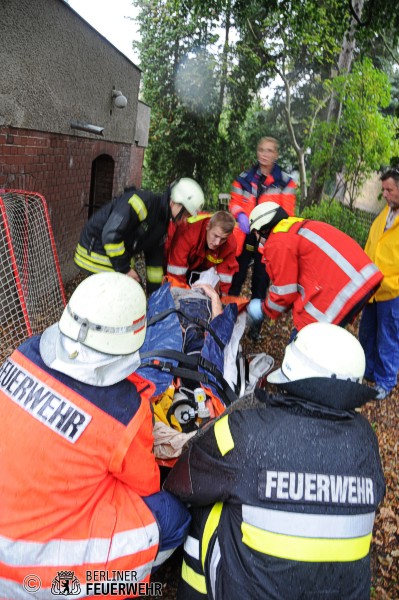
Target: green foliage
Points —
{"points": [[365, 138], [341, 217]]}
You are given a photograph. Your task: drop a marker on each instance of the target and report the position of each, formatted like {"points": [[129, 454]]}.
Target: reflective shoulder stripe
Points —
{"points": [[210, 527], [223, 435], [176, 270], [138, 206], [113, 250], [193, 579], [305, 549], [200, 217], [154, 274], [286, 224]]}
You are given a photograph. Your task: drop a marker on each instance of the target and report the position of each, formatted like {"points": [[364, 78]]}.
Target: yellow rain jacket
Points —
{"points": [[383, 249]]}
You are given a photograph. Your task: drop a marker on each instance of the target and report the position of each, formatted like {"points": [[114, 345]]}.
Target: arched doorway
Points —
{"points": [[102, 177]]}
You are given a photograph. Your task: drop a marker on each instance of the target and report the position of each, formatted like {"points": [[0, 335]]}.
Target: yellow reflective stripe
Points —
{"points": [[115, 249], [286, 224], [223, 435], [305, 549], [250, 248], [215, 261], [92, 267], [193, 579], [93, 256], [201, 217], [154, 274], [210, 527], [138, 206], [132, 262]]}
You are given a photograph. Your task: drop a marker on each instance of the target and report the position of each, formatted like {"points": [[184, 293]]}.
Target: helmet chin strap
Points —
{"points": [[179, 215]]}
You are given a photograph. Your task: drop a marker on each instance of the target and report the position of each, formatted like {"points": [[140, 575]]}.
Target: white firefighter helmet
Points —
{"points": [[322, 350], [263, 214], [189, 194], [106, 312]]}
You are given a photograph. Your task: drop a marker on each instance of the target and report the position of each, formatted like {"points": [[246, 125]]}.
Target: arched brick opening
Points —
{"points": [[102, 177]]}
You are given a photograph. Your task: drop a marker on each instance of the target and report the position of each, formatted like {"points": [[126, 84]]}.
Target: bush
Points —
{"points": [[341, 217]]}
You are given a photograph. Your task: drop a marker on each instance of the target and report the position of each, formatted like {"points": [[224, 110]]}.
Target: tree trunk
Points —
{"points": [[334, 109]]}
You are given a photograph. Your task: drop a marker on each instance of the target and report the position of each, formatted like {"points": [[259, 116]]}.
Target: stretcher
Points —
{"points": [[195, 362]]}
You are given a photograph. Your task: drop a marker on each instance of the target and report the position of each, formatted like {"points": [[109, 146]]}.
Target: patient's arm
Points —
{"points": [[217, 307]]}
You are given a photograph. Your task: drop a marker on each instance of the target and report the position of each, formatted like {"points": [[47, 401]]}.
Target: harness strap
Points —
{"points": [[197, 321], [190, 362]]}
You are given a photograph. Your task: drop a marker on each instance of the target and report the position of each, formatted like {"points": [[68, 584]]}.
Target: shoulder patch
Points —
{"points": [[286, 224]]}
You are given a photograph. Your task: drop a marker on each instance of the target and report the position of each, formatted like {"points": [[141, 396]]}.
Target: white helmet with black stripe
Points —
{"points": [[265, 216], [107, 312]]}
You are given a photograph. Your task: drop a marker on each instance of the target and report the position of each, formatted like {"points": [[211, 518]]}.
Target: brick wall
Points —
{"points": [[60, 168]]}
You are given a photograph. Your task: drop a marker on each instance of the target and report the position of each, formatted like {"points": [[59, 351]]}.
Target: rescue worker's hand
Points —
{"points": [[134, 275], [243, 222], [255, 312]]}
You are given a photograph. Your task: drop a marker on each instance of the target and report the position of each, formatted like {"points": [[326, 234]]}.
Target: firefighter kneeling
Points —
{"points": [[80, 488], [284, 488]]}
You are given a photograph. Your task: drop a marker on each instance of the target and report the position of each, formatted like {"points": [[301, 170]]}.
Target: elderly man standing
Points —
{"points": [[379, 325]]}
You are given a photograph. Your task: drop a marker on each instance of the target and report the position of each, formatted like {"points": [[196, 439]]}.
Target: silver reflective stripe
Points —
{"points": [[356, 278], [176, 270], [191, 546], [282, 290], [162, 556], [274, 306], [213, 565], [350, 290], [236, 190], [225, 278], [331, 252], [135, 326], [308, 525], [77, 552]]}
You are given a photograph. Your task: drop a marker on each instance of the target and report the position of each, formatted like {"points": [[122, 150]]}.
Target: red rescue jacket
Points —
{"points": [[317, 270], [188, 252], [76, 461]]}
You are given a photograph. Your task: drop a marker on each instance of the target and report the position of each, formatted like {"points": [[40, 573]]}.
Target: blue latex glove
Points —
{"points": [[243, 222], [255, 312]]}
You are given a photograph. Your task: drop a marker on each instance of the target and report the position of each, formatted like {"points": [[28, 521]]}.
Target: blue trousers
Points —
{"points": [[379, 336]]}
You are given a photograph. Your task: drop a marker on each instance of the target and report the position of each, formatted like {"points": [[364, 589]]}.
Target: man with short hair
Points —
{"points": [[379, 325], [264, 181], [283, 491], [79, 487], [203, 242], [136, 222]]}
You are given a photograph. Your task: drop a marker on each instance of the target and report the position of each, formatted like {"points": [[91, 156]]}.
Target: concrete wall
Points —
{"points": [[55, 69]]}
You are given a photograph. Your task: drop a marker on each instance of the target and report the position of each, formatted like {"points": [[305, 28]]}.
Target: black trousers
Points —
{"points": [[260, 279]]}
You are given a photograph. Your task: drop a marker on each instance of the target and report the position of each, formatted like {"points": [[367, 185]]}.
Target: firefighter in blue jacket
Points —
{"points": [[284, 488]]}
